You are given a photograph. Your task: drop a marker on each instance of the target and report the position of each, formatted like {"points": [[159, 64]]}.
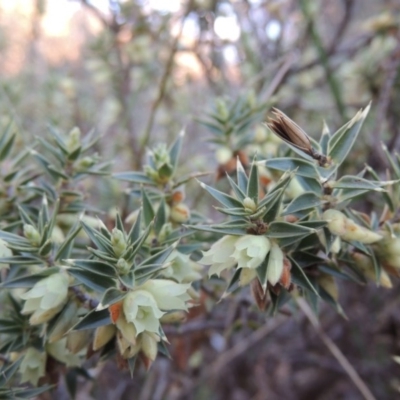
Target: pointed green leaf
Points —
{"points": [[148, 211], [226, 200], [241, 176], [175, 150], [300, 278], [160, 217], [133, 176], [342, 141], [233, 283], [356, 183], [93, 320], [134, 233], [286, 229], [94, 281], [302, 167], [111, 296], [28, 281], [240, 195], [64, 251], [252, 185], [305, 201], [96, 266]]}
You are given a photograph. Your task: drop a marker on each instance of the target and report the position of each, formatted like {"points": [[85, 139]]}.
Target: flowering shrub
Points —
{"points": [[73, 285]]}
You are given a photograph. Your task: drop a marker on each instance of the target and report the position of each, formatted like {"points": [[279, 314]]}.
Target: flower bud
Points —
{"points": [[118, 242], [173, 317], [151, 173], [389, 250], [84, 163], [222, 109], [74, 139], [32, 235], [122, 266], [347, 229], [180, 213], [165, 231], [149, 348], [249, 204], [178, 196], [103, 335], [336, 222]]}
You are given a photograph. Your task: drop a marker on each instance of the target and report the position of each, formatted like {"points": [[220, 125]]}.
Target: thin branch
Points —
{"points": [[217, 367], [324, 58], [164, 80], [279, 76], [377, 157], [336, 352]]}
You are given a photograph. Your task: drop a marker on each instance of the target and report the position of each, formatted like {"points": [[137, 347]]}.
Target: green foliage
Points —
{"points": [[94, 263]]}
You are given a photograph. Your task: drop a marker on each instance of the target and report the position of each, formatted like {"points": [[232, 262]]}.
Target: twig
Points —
{"points": [[280, 76], [164, 80], [324, 58], [193, 326], [392, 67], [216, 368], [336, 352]]}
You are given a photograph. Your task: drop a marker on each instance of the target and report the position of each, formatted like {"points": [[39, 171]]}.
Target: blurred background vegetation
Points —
{"points": [[138, 71]]}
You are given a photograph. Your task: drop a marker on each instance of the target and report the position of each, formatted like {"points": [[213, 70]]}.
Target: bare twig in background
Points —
{"points": [[377, 158], [164, 80], [336, 352], [324, 59], [279, 76], [217, 367]]}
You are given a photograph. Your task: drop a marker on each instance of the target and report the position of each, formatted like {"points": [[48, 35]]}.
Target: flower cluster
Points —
{"points": [[137, 318], [248, 252]]}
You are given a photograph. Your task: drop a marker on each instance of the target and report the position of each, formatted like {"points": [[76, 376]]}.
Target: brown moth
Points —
{"points": [[291, 133]]}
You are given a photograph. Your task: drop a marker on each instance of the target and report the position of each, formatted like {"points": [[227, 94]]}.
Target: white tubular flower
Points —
{"points": [[141, 309], [251, 250], [33, 366], [220, 255], [181, 268], [168, 294], [275, 264], [46, 298]]}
